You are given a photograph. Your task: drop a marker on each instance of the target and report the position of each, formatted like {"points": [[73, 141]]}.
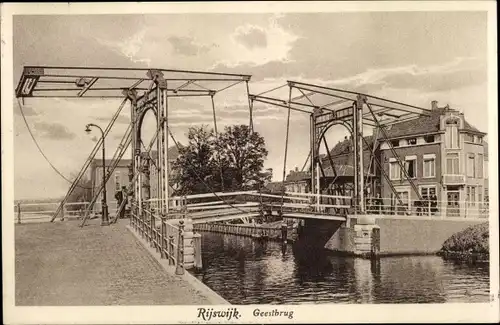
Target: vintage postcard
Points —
{"points": [[267, 162]]}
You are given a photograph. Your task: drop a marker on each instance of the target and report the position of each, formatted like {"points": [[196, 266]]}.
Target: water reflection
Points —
{"points": [[248, 271]]}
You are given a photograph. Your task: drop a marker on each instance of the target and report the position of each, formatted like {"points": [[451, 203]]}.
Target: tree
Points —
{"points": [[242, 155], [237, 155], [195, 164]]}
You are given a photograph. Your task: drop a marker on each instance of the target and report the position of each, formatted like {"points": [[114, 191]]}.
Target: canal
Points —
{"points": [[247, 271]]}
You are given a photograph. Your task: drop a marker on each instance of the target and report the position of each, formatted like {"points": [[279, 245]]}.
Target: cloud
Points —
{"points": [[252, 45], [186, 46], [129, 47], [251, 36], [120, 119], [459, 73], [54, 131], [27, 110]]}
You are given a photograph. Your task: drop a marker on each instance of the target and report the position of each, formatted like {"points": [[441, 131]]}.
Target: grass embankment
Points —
{"points": [[470, 243]]}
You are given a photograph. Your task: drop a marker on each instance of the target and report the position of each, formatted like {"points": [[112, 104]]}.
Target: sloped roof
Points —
{"points": [[424, 124], [343, 170], [345, 146], [296, 176], [274, 186]]}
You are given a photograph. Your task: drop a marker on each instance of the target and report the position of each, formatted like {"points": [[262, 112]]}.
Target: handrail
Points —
{"points": [[165, 237]]}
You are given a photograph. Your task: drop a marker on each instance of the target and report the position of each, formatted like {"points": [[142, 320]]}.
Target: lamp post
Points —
{"points": [[105, 217]]}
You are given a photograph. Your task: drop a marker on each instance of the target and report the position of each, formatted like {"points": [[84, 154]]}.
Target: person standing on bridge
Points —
{"points": [[124, 198], [121, 196], [119, 200]]}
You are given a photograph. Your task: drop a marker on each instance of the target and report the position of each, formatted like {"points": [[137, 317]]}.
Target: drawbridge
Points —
{"points": [[150, 90]]}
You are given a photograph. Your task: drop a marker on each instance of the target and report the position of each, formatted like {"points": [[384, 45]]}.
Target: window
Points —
{"points": [[452, 140], [429, 166], [394, 169], [471, 196], [411, 166], [117, 181], [480, 165], [468, 138], [479, 139], [427, 191], [412, 141], [403, 195], [395, 143], [471, 165], [429, 139], [480, 194], [453, 164]]}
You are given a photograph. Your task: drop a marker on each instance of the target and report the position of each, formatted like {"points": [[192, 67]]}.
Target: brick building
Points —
{"points": [[120, 176], [442, 153]]}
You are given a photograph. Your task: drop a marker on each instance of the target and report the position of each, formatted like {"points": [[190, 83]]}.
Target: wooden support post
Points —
{"points": [[284, 231], [197, 251], [19, 213], [179, 268]]}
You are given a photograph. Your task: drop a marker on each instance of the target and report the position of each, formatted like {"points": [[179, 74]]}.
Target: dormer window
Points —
{"points": [[412, 141], [468, 138], [452, 139], [395, 143]]}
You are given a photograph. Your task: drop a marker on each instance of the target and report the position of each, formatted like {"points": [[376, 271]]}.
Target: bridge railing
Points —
{"points": [[429, 208], [43, 212], [162, 234]]}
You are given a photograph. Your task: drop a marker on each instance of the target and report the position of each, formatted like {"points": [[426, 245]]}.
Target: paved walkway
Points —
{"points": [[61, 264]]}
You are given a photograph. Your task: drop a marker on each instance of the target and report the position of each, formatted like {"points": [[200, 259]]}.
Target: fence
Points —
{"points": [[43, 212], [242, 230], [162, 234], [431, 208]]}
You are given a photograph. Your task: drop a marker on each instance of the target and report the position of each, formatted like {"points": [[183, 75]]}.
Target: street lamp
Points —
{"points": [[105, 217]]}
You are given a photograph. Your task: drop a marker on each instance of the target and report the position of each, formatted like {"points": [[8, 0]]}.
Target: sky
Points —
{"points": [[414, 57]]}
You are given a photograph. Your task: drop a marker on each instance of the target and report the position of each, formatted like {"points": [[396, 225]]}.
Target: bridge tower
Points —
{"points": [[352, 119]]}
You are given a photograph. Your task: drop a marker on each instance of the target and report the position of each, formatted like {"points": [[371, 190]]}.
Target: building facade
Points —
{"points": [[121, 177], [445, 157]]}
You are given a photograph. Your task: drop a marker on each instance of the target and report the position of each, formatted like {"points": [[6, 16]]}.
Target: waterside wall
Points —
{"points": [[398, 235]]}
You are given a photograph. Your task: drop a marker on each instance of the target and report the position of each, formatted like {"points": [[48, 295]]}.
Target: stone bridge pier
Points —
{"points": [[356, 236]]}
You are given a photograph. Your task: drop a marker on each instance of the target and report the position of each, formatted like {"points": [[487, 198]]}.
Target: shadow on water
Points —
{"points": [[248, 271]]}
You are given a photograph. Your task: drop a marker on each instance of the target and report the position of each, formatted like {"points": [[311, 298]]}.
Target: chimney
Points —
{"points": [[296, 169], [434, 105]]}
